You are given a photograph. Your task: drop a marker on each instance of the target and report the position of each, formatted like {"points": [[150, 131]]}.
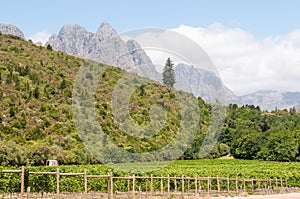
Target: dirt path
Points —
{"points": [[279, 196]]}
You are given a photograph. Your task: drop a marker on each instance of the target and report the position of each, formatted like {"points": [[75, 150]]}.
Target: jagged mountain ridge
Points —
{"points": [[104, 46], [107, 47], [76, 40], [203, 83]]}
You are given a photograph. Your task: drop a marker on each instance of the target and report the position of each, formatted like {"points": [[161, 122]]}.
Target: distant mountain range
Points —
{"points": [[270, 99], [106, 46]]}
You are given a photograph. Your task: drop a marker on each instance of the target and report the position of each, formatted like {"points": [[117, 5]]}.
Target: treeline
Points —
{"points": [[254, 134], [250, 133]]}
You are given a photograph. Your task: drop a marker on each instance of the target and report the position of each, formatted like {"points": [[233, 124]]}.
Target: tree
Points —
{"points": [[169, 74], [36, 93], [49, 47], [63, 84]]}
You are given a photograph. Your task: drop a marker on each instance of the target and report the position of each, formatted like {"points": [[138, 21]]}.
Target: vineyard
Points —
{"points": [[225, 175]]}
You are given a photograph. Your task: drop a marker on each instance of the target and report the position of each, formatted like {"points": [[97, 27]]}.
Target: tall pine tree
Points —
{"points": [[169, 74]]}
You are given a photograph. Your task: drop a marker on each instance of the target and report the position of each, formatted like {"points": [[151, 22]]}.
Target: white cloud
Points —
{"points": [[247, 64], [42, 36], [160, 44]]}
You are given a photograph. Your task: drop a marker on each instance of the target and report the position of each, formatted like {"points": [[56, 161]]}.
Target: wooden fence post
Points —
{"points": [[22, 182], [265, 182], [237, 185], [228, 185], [182, 186], [161, 186], [175, 184], [196, 187], [128, 184], [208, 186], [168, 186], [133, 186], [245, 185], [219, 187], [85, 184], [189, 181], [252, 184], [57, 183], [151, 185], [111, 186], [146, 181]]}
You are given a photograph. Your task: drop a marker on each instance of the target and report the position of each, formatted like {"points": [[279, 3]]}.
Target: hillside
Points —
{"points": [[36, 107], [36, 116], [107, 46], [37, 120]]}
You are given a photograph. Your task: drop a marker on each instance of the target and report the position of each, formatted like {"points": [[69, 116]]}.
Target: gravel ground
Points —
{"points": [[278, 196]]}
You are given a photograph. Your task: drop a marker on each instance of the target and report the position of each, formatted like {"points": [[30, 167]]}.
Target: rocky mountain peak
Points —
{"points": [[72, 38], [106, 31], [11, 30], [68, 29], [139, 55]]}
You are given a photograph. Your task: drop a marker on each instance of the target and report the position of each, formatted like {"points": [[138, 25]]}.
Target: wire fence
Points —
{"points": [[56, 185]]}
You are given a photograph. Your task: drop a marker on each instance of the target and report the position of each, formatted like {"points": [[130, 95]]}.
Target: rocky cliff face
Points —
{"points": [[11, 30], [72, 39], [106, 46], [203, 83], [142, 62]]}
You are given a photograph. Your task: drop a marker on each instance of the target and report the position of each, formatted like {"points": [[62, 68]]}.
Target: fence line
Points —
{"points": [[140, 186]]}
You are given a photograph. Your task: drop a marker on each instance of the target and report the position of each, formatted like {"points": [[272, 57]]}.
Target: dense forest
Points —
{"points": [[36, 120], [250, 133]]}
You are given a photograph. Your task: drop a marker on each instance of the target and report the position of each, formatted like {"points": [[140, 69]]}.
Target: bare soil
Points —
{"points": [[278, 196]]}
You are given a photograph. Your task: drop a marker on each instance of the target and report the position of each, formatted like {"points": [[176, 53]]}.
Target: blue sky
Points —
{"points": [[259, 17]]}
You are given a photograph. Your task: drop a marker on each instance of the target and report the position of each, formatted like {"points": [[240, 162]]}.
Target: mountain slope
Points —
{"points": [[107, 47], [35, 91], [203, 83], [36, 121]]}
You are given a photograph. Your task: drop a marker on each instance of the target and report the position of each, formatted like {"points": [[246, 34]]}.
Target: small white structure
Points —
{"points": [[51, 163]]}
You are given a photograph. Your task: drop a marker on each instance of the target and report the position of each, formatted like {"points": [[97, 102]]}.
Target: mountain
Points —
{"points": [[104, 46], [11, 30], [40, 99], [270, 99], [38, 118], [107, 47], [203, 83], [142, 63]]}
